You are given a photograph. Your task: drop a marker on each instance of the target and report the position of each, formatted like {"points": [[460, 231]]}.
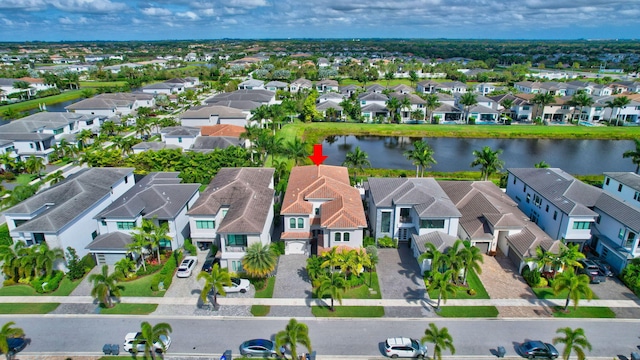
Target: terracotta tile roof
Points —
{"points": [[292, 235], [343, 207], [222, 130]]}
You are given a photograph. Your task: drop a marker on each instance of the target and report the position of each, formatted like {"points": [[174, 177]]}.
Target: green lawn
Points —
{"points": [[362, 291], [95, 84], [64, 289], [24, 179], [33, 104], [348, 311], [140, 287], [547, 293], [468, 311], [28, 308], [473, 282], [583, 312], [266, 293], [130, 309]]}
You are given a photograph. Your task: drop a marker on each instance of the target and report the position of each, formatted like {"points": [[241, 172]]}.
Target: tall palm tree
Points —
{"points": [[150, 335], [158, 234], [432, 103], [393, 104], [10, 256], [576, 285], [440, 338], [582, 100], [293, 334], [634, 154], [259, 260], [471, 259], [569, 256], [46, 258], [468, 99], [6, 332], [105, 286], [542, 100], [617, 103], [421, 156], [139, 244], [441, 282], [437, 258], [332, 259], [544, 259], [296, 149], [332, 284], [488, 160], [507, 104], [405, 103], [216, 280], [357, 160], [573, 340], [35, 165]]}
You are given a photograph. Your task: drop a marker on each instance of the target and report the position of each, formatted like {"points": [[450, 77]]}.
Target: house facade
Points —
{"points": [[182, 136]]}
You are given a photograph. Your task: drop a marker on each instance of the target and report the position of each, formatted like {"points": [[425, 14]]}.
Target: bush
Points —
{"points": [[155, 282], [277, 247], [543, 282], [166, 274], [47, 284], [532, 277], [190, 248], [354, 281], [150, 269], [471, 292], [74, 264], [8, 282], [368, 240], [387, 242], [88, 263]]}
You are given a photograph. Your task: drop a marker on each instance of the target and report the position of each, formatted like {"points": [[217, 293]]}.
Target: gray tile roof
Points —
{"points": [[423, 194], [111, 241], [245, 105], [259, 95], [375, 107], [43, 120], [180, 131], [154, 145], [158, 195], [568, 194], [68, 200], [247, 194], [328, 104], [206, 111], [371, 96], [629, 179], [414, 99], [215, 142], [277, 84], [442, 241], [620, 210]]}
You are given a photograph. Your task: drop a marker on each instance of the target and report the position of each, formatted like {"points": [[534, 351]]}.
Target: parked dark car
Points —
{"points": [[592, 270], [604, 267], [537, 349], [209, 262], [258, 348], [16, 344]]}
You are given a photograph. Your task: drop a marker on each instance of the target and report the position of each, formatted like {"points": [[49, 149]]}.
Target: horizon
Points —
{"points": [[188, 20]]}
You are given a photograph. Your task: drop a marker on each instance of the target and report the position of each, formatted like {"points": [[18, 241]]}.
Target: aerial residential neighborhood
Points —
{"points": [[191, 180]]}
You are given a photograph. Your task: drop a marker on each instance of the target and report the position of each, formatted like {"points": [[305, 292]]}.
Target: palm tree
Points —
{"points": [[542, 100], [393, 104], [541, 165], [436, 257], [8, 161], [405, 103], [150, 335], [46, 258], [158, 234], [432, 103], [569, 256], [294, 333], [488, 160], [441, 282], [357, 160], [259, 260], [296, 150], [634, 154], [573, 340], [7, 332], [617, 103], [55, 177], [139, 244], [216, 280], [125, 266], [581, 100], [471, 259], [544, 259], [577, 286], [421, 156], [440, 338], [468, 99], [105, 287], [35, 165], [507, 104], [333, 285], [332, 259]]}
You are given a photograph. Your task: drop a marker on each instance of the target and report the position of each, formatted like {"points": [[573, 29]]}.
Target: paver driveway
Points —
{"points": [[399, 274], [291, 282]]}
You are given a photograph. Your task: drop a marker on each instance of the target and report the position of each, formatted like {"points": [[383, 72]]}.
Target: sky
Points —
{"points": [[68, 20]]}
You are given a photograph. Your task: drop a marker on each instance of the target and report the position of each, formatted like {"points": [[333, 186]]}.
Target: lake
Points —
{"points": [[582, 157]]}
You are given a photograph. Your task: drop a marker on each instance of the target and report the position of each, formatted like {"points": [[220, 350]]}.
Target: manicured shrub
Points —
{"points": [[88, 262], [74, 264], [277, 247], [155, 282], [368, 240], [150, 269], [387, 242], [471, 292], [190, 248], [47, 284]]}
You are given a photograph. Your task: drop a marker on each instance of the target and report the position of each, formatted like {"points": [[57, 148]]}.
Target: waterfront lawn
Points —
{"points": [[65, 288], [468, 311], [33, 104], [130, 309], [348, 311], [583, 312], [28, 308]]}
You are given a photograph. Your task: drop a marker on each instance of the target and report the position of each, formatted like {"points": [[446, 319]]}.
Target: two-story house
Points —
{"points": [[321, 210], [182, 136], [234, 211], [559, 203], [158, 197], [63, 215]]}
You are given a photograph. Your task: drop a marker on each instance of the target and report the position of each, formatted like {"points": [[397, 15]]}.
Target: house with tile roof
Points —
{"points": [[401, 207], [112, 104], [623, 185], [63, 215], [276, 85], [233, 212], [300, 85], [321, 210], [415, 103], [206, 115], [245, 100], [152, 146], [251, 84], [159, 197], [327, 85], [182, 136]]}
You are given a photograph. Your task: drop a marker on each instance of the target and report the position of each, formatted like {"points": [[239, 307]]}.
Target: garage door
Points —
{"points": [[108, 259], [513, 255], [483, 246], [295, 247]]}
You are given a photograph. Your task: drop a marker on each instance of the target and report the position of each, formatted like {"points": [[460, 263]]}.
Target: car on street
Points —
{"points": [[258, 348], [237, 285], [130, 338], [404, 347], [15, 345], [186, 266], [209, 262], [537, 349]]}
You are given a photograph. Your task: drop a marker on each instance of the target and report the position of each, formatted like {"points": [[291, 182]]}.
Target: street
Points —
{"points": [[74, 334]]}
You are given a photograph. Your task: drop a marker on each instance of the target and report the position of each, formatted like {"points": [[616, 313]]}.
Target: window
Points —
{"points": [[385, 222], [94, 235], [126, 225], [514, 180], [300, 223], [619, 187], [528, 198], [537, 200], [346, 236], [525, 108], [224, 213], [57, 131], [162, 223], [317, 211], [555, 215], [205, 224], [337, 237], [126, 180], [236, 266], [431, 223], [103, 222], [631, 236], [607, 181], [179, 139], [89, 122], [581, 225], [524, 188], [292, 223], [636, 196], [598, 220], [38, 238], [236, 240], [405, 216], [19, 222], [621, 233], [546, 208]]}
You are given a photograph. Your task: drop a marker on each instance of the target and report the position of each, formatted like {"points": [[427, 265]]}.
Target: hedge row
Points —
{"points": [[166, 274]]}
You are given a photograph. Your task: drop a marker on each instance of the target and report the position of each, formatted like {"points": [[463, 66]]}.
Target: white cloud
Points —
{"points": [[22, 4], [155, 11], [189, 14], [89, 6]]}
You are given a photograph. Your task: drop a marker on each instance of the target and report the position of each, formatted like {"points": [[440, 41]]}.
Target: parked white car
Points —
{"points": [[238, 285], [186, 266], [404, 347], [130, 338]]}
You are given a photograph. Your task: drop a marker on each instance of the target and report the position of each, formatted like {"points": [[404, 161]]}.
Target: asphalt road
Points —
{"points": [[69, 335]]}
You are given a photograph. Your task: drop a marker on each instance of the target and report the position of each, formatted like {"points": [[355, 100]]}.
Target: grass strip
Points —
{"points": [[28, 308], [348, 311], [130, 309], [468, 311], [586, 312]]}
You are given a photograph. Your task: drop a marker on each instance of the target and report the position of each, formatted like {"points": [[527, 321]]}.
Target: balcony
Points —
{"points": [[229, 248], [406, 219]]}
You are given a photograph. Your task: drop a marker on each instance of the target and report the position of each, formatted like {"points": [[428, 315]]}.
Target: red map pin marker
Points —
{"points": [[317, 156]]}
